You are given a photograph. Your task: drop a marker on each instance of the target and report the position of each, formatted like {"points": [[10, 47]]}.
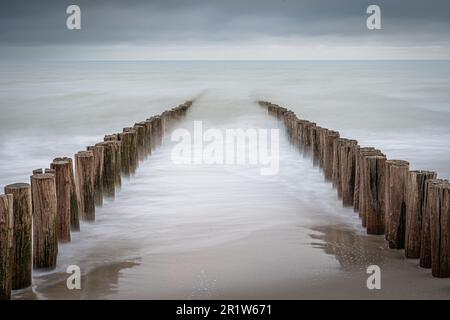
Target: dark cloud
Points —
{"points": [[168, 22], [138, 21]]}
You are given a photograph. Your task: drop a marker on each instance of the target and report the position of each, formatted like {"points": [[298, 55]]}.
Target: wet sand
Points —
{"points": [[271, 264]]}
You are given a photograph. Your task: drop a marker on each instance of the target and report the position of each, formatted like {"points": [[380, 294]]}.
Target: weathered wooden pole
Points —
{"points": [[98, 153], [440, 232], [347, 164], [298, 133], [307, 136], [397, 172], [140, 135], [363, 184], [159, 130], [374, 193], [145, 139], [38, 171], [330, 138], [315, 143], [152, 133], [6, 245], [148, 136], [126, 139], [323, 132], [336, 173], [23, 234], [359, 152], [63, 182], [109, 168], [414, 211], [117, 148], [22, 240], [45, 242], [84, 167], [74, 199], [429, 205]]}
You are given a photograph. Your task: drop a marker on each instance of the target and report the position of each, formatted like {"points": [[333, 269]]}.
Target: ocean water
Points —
{"points": [[209, 231]]}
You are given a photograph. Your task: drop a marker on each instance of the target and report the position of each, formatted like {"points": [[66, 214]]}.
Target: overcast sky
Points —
{"points": [[225, 29]]}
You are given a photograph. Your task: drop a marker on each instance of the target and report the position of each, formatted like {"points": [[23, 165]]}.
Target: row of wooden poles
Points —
{"points": [[35, 217], [411, 208]]}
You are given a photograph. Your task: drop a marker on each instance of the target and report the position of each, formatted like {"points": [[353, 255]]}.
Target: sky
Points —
{"points": [[224, 30]]}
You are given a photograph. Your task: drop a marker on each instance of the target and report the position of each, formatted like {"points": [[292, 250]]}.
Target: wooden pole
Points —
{"points": [[315, 142], [323, 132], [336, 168], [307, 136], [159, 130], [363, 184], [374, 192], [63, 182], [84, 167], [23, 236], [440, 229], [148, 137], [45, 242], [140, 131], [347, 163], [429, 205], [109, 168], [397, 172], [126, 138], [6, 246], [414, 211], [330, 138], [359, 151], [99, 154], [74, 199], [117, 148]]}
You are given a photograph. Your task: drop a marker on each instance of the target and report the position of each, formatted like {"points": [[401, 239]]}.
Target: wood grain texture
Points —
{"points": [[397, 172], [414, 211], [6, 245], [45, 242], [22, 240], [84, 167]]}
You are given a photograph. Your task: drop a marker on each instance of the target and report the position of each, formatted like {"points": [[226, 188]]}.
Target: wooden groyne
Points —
{"points": [[411, 208], [36, 216]]}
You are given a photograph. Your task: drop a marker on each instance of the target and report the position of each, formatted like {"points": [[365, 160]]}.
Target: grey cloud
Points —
{"points": [[138, 21]]}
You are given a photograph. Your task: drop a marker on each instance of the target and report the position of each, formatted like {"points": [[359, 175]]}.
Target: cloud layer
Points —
{"points": [[248, 29]]}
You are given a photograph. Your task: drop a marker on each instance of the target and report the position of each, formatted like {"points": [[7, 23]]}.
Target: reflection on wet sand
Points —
{"points": [[97, 284], [352, 250]]}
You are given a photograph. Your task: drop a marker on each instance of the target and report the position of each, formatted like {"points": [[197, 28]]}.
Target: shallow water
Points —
{"points": [[206, 231]]}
